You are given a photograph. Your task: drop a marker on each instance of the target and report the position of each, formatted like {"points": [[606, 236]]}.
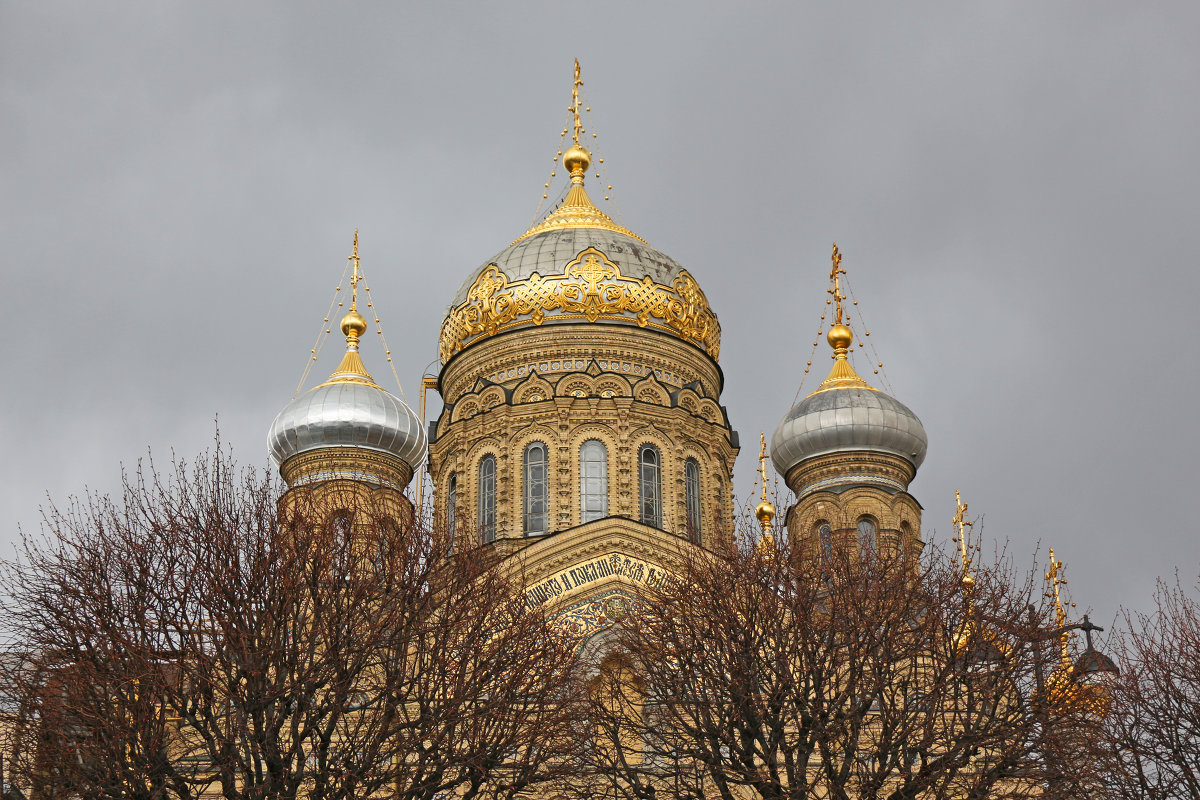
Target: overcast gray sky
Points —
{"points": [[1013, 187]]}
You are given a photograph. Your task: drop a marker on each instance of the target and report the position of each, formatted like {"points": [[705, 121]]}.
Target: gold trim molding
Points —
{"points": [[591, 288]]}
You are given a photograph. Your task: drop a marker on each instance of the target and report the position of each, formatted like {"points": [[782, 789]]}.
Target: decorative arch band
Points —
{"points": [[591, 288]]}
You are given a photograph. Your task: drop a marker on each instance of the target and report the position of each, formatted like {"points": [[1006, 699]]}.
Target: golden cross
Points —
{"points": [[836, 291], [354, 277], [574, 109], [762, 462], [961, 523], [1052, 575]]}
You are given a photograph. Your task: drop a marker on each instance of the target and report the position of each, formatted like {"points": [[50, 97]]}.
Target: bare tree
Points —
{"points": [[1152, 734], [754, 674], [198, 636]]}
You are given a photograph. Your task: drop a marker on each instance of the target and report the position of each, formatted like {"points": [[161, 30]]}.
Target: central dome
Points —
{"points": [[579, 265]]}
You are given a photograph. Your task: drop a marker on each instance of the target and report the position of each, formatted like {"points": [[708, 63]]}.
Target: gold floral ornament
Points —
{"points": [[591, 288]]}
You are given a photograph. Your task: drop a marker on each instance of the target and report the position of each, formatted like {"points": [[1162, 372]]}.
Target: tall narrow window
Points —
{"points": [[866, 536], [451, 507], [825, 534], [536, 515], [487, 498], [341, 546], [650, 486], [593, 481], [691, 496], [903, 539]]}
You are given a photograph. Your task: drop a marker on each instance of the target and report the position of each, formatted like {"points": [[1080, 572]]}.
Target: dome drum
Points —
{"points": [[331, 464]]}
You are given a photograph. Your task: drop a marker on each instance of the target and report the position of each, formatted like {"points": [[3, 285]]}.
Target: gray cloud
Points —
{"points": [[1013, 187]]}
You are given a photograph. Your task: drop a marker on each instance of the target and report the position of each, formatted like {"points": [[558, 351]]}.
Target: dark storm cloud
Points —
{"points": [[1013, 187]]}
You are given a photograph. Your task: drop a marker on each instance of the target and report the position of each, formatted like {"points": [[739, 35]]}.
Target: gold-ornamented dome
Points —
{"points": [[579, 265]]}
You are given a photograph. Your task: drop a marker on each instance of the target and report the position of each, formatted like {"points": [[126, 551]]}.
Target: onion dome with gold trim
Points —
{"points": [[577, 264], [845, 413], [348, 415]]}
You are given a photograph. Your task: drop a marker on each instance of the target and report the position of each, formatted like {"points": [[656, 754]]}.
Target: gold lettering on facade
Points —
{"points": [[616, 565], [590, 288]]}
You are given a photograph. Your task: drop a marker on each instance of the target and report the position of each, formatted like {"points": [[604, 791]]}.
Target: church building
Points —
{"points": [[582, 435]]}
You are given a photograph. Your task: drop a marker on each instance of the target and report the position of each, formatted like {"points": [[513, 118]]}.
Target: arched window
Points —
{"points": [[340, 528], [593, 481], [903, 540], [649, 486], [451, 506], [487, 498], [825, 536], [691, 497], [536, 512], [866, 536], [387, 542]]}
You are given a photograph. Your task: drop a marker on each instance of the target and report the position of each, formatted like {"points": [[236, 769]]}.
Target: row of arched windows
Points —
{"points": [[593, 490]]}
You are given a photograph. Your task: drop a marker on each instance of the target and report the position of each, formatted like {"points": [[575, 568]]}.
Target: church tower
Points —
{"points": [[580, 383], [348, 447], [849, 452]]}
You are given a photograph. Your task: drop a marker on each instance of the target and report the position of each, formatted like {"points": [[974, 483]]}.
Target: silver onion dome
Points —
{"points": [[844, 414], [347, 414], [348, 411], [851, 418]]}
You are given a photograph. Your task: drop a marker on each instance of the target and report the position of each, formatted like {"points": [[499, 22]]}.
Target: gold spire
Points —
{"points": [[577, 209], [1056, 580], [972, 635], [961, 523], [354, 325], [840, 337], [765, 510]]}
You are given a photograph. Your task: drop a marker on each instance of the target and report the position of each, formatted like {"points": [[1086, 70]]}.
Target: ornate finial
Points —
{"points": [[765, 510], [961, 523], [576, 159], [575, 104], [840, 337], [1053, 574], [354, 325]]}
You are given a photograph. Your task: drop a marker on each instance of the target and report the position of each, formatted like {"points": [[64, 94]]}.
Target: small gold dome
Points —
{"points": [[353, 324], [576, 157], [840, 336], [765, 511]]}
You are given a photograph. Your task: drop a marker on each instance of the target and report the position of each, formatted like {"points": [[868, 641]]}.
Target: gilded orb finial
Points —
{"points": [[840, 337]]}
